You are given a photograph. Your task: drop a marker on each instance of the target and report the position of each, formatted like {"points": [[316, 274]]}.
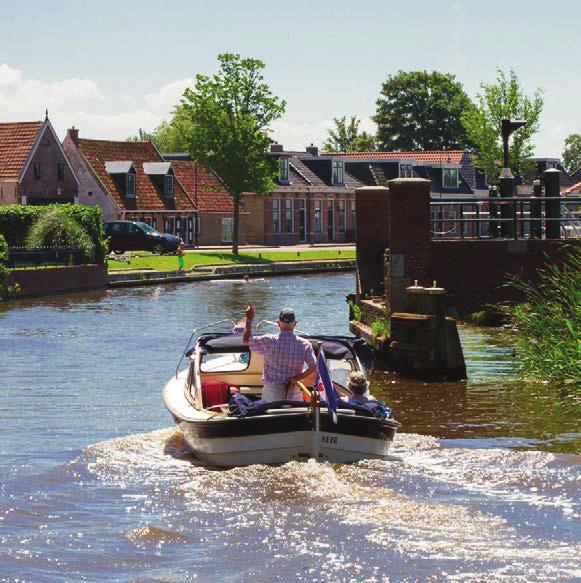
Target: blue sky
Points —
{"points": [[112, 67]]}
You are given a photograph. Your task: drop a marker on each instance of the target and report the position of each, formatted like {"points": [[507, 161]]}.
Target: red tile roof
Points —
{"points": [[203, 187], [148, 196], [16, 141], [430, 156], [574, 188]]}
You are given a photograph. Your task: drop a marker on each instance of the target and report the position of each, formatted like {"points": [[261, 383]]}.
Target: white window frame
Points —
{"points": [[342, 212], [230, 221], [338, 165], [168, 193], [276, 203], [318, 207], [444, 169], [283, 170], [292, 213], [127, 193], [406, 170]]}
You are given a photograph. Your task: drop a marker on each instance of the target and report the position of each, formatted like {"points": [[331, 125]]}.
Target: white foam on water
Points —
{"points": [[318, 510]]}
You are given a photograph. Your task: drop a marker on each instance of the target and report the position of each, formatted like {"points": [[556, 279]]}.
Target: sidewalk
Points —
{"points": [[289, 248]]}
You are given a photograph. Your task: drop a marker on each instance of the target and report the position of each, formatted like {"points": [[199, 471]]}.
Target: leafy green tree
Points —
{"points": [[224, 121], [572, 152], [504, 99], [420, 110], [167, 137], [346, 137]]}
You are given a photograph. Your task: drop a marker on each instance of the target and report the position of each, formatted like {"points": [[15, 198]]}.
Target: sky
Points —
{"points": [[112, 67]]}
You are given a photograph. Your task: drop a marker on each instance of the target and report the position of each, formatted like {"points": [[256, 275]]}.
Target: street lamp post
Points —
{"points": [[507, 182]]}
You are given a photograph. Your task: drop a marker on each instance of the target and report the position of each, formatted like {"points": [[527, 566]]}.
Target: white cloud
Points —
{"points": [[297, 135], [167, 97]]}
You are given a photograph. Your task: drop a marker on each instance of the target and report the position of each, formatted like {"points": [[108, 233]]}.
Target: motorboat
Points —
{"points": [[203, 399]]}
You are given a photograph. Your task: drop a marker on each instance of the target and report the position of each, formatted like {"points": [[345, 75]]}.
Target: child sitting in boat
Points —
{"points": [[358, 386]]}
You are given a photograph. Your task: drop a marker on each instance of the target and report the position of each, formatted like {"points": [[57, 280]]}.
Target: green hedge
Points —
{"points": [[3, 262], [16, 220]]}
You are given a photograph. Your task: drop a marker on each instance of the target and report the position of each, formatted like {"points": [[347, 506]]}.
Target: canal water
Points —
{"points": [[96, 484]]}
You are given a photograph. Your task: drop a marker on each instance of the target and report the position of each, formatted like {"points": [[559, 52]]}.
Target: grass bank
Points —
{"points": [[548, 327], [199, 258]]}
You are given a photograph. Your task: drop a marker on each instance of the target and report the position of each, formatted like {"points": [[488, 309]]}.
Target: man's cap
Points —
{"points": [[286, 315]]}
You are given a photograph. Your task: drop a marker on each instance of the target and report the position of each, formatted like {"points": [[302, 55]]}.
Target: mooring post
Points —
{"points": [[552, 207], [536, 211]]}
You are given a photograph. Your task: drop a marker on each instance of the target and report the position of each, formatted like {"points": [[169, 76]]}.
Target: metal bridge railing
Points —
{"points": [[513, 218]]}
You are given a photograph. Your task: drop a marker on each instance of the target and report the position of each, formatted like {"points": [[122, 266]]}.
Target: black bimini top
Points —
{"points": [[334, 347]]}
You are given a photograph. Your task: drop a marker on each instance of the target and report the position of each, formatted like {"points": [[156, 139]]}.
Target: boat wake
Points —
{"points": [[463, 514]]}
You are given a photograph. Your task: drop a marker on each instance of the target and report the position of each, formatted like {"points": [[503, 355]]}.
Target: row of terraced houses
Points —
{"points": [[313, 201]]}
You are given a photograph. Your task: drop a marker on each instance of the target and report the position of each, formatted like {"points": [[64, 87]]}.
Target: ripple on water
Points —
{"points": [[419, 505]]}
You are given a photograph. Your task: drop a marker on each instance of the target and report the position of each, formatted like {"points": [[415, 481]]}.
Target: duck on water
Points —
{"points": [[225, 406]]}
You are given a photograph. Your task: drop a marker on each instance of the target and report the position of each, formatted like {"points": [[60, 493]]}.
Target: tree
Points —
{"points": [[167, 137], [504, 99], [420, 110], [346, 137], [224, 122], [572, 153]]}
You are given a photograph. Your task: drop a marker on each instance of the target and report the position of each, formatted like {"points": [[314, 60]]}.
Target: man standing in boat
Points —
{"points": [[285, 355]]}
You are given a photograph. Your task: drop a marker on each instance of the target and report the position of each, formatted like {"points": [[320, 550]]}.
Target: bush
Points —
{"points": [[3, 261], [17, 220], [549, 324], [56, 228]]}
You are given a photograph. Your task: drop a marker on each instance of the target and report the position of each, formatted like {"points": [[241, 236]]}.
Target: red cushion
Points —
{"points": [[215, 393]]}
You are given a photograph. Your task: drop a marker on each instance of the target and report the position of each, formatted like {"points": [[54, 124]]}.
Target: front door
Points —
{"points": [[330, 220], [302, 221]]}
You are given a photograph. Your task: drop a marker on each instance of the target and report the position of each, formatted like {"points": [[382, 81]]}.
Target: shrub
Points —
{"points": [[380, 328], [17, 220], [56, 228], [355, 310], [549, 324], [3, 261]]}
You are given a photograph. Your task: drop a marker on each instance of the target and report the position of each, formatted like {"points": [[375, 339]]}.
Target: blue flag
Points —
{"points": [[326, 388]]}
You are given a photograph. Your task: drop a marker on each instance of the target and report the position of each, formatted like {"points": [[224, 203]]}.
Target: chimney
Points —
{"points": [[312, 150], [73, 133], [276, 148]]}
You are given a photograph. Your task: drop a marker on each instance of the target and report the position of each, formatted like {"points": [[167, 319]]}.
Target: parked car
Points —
{"points": [[136, 236]]}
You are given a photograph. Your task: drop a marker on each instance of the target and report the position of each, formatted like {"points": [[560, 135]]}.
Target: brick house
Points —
{"points": [[131, 181], [314, 201], [314, 198], [214, 203], [34, 168]]}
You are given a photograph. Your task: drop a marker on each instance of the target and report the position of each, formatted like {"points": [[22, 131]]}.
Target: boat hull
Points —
{"points": [[275, 439]]}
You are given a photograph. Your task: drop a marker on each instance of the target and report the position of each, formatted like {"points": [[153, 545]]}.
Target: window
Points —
{"points": [[275, 215], [288, 215], [283, 169], [227, 229], [318, 216], [353, 215], [337, 177], [130, 185], [450, 177], [60, 171], [341, 207], [37, 174], [406, 171], [168, 186]]}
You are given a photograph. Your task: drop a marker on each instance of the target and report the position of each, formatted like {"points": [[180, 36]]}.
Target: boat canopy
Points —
{"points": [[334, 347]]}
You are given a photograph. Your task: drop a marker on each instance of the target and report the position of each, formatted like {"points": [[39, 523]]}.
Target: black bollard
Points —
{"points": [[552, 207], [507, 210], [493, 213], [536, 211]]}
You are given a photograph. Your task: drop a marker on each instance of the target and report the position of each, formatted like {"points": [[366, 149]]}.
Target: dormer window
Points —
{"points": [[130, 185], [338, 172], [406, 171], [168, 186], [283, 170], [450, 177]]}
